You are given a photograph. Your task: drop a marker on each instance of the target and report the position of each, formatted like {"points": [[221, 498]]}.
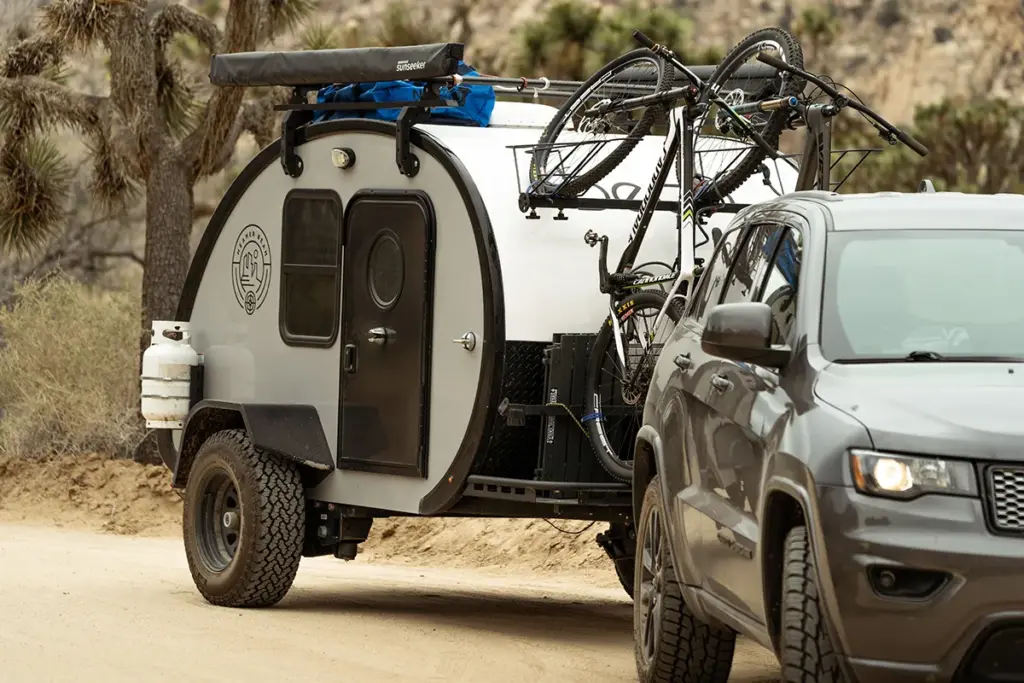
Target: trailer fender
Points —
{"points": [[293, 432]]}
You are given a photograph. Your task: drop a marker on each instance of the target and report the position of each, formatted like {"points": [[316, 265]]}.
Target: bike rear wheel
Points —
{"points": [[570, 162], [737, 159], [613, 407]]}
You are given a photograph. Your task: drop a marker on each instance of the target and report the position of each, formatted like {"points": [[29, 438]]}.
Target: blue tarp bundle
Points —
{"points": [[787, 262], [477, 100]]}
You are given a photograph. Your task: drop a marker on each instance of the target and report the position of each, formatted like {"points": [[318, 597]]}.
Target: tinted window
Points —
{"points": [[949, 291], [748, 273], [310, 272], [780, 289], [713, 278]]}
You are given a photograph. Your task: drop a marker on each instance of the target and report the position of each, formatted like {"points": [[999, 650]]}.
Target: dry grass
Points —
{"points": [[68, 372]]}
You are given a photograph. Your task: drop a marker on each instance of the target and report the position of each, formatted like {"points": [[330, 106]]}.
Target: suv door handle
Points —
{"points": [[683, 361], [720, 382]]}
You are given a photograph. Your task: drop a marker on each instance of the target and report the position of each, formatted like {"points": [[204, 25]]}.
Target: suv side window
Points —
{"points": [[748, 273], [780, 289], [713, 279]]}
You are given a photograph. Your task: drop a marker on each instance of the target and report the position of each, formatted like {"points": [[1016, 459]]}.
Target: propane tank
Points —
{"points": [[167, 375]]}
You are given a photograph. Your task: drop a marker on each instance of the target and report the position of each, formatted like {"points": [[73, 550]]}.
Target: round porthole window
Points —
{"points": [[386, 270]]}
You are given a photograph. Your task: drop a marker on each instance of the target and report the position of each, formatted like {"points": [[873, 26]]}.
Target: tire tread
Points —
{"points": [[689, 651], [807, 652], [279, 524]]}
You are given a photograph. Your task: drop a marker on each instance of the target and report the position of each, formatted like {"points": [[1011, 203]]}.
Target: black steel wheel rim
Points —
{"points": [[650, 595], [219, 520]]}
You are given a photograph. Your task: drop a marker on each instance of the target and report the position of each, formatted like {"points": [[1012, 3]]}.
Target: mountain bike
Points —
{"points": [[623, 354]]}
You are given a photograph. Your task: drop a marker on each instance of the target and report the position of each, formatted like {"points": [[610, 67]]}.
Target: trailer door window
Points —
{"points": [[310, 267]]}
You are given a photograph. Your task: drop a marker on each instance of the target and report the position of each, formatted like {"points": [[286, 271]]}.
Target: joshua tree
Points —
{"points": [[156, 129]]}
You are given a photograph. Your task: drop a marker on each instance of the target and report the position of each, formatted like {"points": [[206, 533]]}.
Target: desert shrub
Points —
{"points": [[68, 370], [575, 38], [975, 146]]}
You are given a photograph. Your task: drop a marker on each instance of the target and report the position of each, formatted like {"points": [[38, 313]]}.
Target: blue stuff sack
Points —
{"points": [[477, 101], [787, 261]]}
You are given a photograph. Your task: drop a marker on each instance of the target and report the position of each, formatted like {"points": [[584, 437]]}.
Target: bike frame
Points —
{"points": [[680, 135]]}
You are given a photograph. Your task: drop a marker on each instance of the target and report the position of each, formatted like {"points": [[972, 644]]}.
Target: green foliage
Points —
{"points": [[574, 38], [975, 146], [320, 36], [816, 28], [661, 24], [557, 44], [400, 23], [34, 180]]}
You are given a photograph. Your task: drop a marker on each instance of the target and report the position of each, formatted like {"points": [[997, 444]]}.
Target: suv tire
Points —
{"points": [[807, 652], [243, 522], [671, 644]]}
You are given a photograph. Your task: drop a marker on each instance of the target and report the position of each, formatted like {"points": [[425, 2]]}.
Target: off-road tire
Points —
{"points": [[733, 179], [688, 650], [807, 652], [272, 526]]}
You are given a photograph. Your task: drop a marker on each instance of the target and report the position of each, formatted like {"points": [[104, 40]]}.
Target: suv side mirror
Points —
{"points": [[742, 332]]}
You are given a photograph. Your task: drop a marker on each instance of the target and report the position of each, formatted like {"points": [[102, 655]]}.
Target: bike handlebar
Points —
{"points": [[892, 130], [642, 39]]}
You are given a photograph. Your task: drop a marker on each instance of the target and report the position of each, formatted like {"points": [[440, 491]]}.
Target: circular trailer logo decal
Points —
{"points": [[250, 268]]}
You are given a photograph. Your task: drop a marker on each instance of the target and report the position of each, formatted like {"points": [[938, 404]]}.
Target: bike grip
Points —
{"points": [[642, 39], [912, 143], [772, 61]]}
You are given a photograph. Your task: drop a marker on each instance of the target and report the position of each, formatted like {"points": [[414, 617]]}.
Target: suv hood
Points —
{"points": [[972, 410]]}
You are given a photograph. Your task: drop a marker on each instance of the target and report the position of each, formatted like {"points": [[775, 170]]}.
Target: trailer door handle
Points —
{"points": [[350, 358], [720, 382], [380, 335], [683, 361]]}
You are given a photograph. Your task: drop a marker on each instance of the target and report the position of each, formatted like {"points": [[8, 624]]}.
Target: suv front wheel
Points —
{"points": [[807, 652], [672, 644]]}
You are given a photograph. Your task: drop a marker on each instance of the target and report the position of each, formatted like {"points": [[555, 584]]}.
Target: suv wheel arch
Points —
{"points": [[645, 465]]}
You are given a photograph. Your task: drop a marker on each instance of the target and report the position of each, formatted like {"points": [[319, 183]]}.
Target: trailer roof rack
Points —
{"points": [[435, 65]]}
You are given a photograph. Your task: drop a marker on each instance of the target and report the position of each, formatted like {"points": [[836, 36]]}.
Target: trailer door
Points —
{"points": [[386, 333]]}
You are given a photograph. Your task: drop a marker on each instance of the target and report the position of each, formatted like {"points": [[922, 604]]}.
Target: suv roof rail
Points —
{"points": [[926, 185]]}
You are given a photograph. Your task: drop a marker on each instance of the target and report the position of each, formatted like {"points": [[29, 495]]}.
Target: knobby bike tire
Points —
{"points": [[583, 182], [645, 300], [731, 180]]}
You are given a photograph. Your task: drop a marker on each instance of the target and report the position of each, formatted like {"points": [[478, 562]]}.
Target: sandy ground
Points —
{"points": [[94, 587]]}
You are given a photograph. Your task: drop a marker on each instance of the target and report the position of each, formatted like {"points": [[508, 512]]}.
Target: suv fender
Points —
{"points": [[648, 461]]}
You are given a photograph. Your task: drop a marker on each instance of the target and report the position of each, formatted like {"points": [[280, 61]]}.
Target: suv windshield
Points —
{"points": [[923, 295]]}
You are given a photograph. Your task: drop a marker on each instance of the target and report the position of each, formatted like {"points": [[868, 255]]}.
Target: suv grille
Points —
{"points": [[1006, 488]]}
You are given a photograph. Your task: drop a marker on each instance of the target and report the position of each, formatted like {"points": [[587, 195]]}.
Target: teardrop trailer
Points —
{"points": [[370, 328]]}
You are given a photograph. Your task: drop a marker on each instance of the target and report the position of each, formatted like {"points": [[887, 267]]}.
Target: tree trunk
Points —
{"points": [[169, 205]]}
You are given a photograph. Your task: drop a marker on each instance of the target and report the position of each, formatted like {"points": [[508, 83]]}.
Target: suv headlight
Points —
{"points": [[910, 476]]}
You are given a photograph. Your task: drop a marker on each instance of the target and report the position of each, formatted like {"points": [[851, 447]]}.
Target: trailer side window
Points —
{"points": [[310, 267]]}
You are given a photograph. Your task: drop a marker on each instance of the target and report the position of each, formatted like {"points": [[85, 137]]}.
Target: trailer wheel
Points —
{"points": [[243, 523], [671, 643], [807, 652]]}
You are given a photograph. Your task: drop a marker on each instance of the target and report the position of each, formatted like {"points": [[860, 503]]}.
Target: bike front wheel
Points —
{"points": [[614, 402], [723, 158]]}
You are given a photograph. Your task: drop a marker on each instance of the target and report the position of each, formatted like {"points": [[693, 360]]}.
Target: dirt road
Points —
{"points": [[79, 606]]}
